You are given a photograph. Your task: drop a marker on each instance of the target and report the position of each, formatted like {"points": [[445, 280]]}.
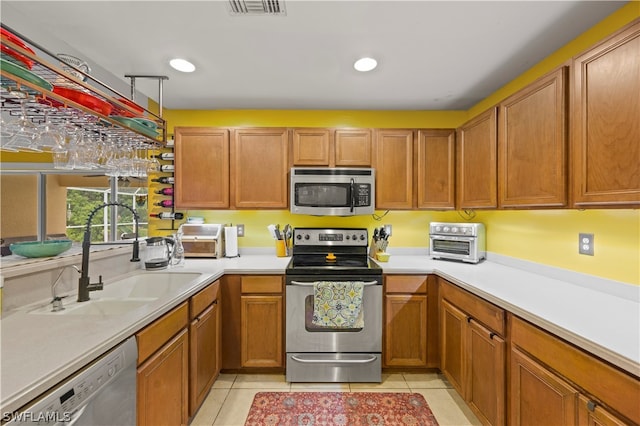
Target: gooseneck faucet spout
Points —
{"points": [[84, 284]]}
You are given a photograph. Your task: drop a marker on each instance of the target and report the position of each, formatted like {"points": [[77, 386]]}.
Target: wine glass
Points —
{"points": [[23, 130]]}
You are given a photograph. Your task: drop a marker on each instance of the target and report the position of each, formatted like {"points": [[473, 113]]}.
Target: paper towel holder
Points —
{"points": [[231, 241]]}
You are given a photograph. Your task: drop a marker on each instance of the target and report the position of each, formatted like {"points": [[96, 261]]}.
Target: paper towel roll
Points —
{"points": [[231, 241]]}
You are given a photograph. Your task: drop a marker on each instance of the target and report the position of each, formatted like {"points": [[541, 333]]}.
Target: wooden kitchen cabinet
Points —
{"points": [[473, 351], [331, 148], [204, 344], [435, 171], [538, 396], [532, 144], [552, 382], [261, 321], [253, 315], [352, 147], [393, 161], [201, 168], [163, 370], [405, 332], [477, 162], [259, 168], [311, 147], [605, 108]]}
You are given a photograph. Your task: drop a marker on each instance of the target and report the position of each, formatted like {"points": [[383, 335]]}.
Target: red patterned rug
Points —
{"points": [[339, 408]]}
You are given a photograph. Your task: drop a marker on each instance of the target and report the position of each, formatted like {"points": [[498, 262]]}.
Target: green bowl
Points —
{"points": [[40, 248]]}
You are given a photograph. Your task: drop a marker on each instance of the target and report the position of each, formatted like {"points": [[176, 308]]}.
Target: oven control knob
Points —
{"points": [[362, 237], [347, 237], [298, 237], [454, 229], [438, 228], [355, 237], [306, 237], [446, 229]]}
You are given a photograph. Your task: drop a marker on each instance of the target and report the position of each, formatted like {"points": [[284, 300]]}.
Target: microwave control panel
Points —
{"points": [[363, 194]]}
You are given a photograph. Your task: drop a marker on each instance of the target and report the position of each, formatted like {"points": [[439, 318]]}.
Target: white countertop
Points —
{"points": [[39, 351]]}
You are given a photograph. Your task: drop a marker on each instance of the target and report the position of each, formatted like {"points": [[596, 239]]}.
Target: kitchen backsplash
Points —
{"points": [[549, 237]]}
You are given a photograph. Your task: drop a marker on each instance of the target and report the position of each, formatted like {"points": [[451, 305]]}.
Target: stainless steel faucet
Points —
{"points": [[84, 284], [57, 300]]}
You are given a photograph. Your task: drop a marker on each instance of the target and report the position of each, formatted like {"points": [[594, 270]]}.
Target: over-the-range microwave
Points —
{"points": [[335, 191]]}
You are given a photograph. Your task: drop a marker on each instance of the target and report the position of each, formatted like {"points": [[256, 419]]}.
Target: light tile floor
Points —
{"points": [[230, 398]]}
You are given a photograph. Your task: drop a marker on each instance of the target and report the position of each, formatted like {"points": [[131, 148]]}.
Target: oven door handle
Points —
{"points": [[303, 360], [309, 284]]}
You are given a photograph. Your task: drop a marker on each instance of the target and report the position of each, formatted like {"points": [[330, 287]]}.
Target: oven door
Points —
{"points": [[457, 248], [303, 336]]}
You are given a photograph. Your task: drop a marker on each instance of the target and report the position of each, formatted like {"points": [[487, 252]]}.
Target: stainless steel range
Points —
{"points": [[324, 347]]}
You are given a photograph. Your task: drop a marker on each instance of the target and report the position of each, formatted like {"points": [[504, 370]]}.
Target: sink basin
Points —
{"points": [[96, 307], [146, 284], [125, 294]]}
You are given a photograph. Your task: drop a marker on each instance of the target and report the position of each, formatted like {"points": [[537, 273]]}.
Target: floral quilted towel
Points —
{"points": [[338, 304]]}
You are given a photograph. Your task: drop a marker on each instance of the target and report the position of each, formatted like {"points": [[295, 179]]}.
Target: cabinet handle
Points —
{"points": [[591, 406], [491, 335], [469, 319], [215, 302]]}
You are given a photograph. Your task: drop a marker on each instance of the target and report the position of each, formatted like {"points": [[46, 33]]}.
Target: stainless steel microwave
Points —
{"points": [[332, 191]]}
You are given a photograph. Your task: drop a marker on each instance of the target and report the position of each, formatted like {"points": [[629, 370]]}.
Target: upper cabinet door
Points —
{"points": [[353, 147], [532, 145], [435, 180], [311, 147], [201, 168], [394, 168], [259, 168], [605, 140], [477, 162]]}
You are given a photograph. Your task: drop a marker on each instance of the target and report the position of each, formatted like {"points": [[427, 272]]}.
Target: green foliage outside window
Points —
{"points": [[80, 203]]}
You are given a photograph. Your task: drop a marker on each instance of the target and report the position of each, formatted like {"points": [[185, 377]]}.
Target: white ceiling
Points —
{"points": [[432, 55]]}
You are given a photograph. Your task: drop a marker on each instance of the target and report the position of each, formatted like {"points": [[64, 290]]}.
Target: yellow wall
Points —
{"points": [[544, 236]]}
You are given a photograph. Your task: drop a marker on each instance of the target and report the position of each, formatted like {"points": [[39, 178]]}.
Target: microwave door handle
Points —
{"points": [[353, 196]]}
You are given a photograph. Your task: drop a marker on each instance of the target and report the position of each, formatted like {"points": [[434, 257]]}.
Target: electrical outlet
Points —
{"points": [[240, 230], [387, 229], [585, 244]]}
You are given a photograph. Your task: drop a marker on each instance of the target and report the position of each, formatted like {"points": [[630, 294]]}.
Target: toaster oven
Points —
{"points": [[464, 242], [203, 240]]}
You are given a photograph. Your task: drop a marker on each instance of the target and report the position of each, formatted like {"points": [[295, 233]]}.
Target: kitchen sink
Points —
{"points": [[146, 284], [124, 295], [96, 307]]}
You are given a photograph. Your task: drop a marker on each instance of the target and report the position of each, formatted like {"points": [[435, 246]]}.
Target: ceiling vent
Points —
{"points": [[257, 7]]}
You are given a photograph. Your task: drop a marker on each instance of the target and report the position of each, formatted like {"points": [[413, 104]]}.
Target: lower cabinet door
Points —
{"points": [[204, 356], [453, 353], [163, 385], [486, 378], [539, 397], [405, 342], [261, 331]]}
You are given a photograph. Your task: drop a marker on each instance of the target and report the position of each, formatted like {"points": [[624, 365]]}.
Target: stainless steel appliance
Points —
{"points": [[332, 354], [104, 393], [332, 191], [203, 240], [457, 241]]}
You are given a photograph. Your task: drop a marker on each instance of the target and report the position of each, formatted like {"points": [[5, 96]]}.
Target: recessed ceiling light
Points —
{"points": [[365, 64], [182, 65]]}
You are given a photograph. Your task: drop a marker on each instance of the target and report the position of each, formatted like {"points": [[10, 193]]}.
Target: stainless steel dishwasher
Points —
{"points": [[103, 393]]}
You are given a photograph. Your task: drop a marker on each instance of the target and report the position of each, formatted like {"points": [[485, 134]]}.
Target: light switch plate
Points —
{"points": [[240, 230], [585, 244]]}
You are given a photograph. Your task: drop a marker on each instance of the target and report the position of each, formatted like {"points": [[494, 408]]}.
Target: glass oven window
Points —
{"points": [[310, 326], [322, 194], [454, 247]]}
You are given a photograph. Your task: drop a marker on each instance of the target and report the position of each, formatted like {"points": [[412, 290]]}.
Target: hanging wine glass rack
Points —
{"points": [[46, 65]]}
